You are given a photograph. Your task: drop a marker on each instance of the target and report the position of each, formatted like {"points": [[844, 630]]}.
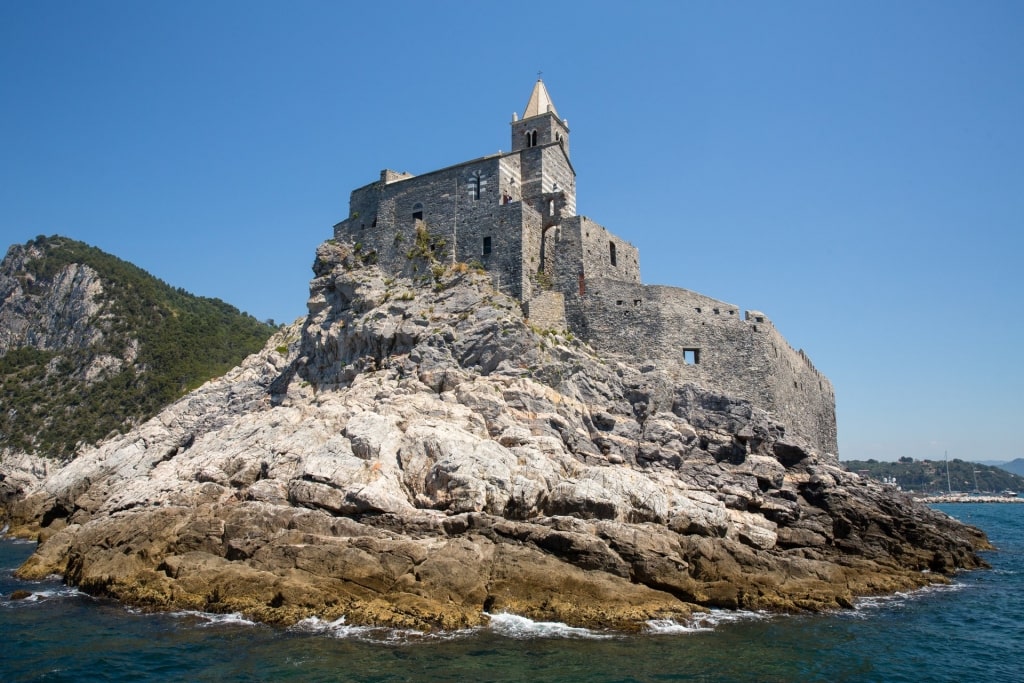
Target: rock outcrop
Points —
{"points": [[415, 455], [51, 314]]}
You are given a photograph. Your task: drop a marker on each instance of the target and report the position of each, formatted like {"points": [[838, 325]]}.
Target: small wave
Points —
{"points": [[212, 619], [703, 621], [48, 594], [900, 598], [515, 626], [337, 628], [373, 634]]}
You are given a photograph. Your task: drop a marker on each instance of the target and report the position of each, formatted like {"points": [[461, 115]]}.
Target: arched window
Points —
{"points": [[551, 207], [417, 211], [611, 251], [531, 138]]}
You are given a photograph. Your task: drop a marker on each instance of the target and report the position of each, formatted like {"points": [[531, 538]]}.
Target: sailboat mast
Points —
{"points": [[949, 486]]}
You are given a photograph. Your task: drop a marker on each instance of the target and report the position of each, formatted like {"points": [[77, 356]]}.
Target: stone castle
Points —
{"points": [[514, 213]]}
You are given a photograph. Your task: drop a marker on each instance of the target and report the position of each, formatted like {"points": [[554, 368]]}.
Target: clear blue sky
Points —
{"points": [[853, 169]]}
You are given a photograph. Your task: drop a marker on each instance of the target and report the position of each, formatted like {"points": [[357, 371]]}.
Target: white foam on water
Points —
{"points": [[47, 594], [212, 619], [337, 628], [899, 598], [702, 621], [515, 626], [669, 627], [373, 634]]}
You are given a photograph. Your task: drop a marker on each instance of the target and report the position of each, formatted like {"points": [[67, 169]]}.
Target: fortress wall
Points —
{"points": [[798, 391], [706, 341], [596, 241]]}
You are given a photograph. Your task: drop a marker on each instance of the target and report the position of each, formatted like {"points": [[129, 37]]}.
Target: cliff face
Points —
{"points": [[48, 314], [90, 344], [421, 456]]}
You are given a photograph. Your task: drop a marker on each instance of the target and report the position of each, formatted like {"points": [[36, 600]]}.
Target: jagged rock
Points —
{"points": [[421, 456]]}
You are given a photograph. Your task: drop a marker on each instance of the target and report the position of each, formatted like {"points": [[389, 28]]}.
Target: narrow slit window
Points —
{"points": [[611, 252], [475, 183], [487, 245]]}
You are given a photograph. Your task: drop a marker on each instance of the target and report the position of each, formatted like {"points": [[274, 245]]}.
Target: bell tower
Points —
{"points": [[540, 124]]}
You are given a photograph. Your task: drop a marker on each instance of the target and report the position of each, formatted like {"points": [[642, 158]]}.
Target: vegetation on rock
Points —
{"points": [[150, 344]]}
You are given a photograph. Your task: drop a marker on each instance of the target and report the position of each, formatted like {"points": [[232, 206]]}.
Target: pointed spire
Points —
{"points": [[540, 102]]}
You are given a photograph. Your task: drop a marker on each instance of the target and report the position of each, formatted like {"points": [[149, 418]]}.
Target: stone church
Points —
{"points": [[514, 214]]}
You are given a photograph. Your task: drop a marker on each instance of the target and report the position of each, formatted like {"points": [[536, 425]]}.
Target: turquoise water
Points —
{"points": [[970, 631]]}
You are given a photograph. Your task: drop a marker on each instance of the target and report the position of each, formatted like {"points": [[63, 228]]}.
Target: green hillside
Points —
{"points": [[173, 342], [929, 476]]}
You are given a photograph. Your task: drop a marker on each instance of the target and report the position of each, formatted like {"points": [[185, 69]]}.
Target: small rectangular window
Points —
{"points": [[691, 356], [487, 245], [417, 215]]}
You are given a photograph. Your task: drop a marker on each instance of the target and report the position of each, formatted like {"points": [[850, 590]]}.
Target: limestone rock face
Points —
{"points": [[51, 315], [421, 456]]}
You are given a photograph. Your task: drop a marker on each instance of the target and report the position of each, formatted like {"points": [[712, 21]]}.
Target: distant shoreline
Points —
{"points": [[967, 498]]}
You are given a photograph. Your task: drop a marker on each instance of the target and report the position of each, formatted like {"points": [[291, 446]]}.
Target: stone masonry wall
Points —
{"points": [[469, 211], [546, 311], [549, 129], [706, 341]]}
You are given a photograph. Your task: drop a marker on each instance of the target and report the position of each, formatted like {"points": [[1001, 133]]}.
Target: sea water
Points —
{"points": [[971, 630]]}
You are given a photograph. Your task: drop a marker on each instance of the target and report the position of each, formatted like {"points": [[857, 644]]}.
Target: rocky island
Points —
{"points": [[414, 454], [486, 411]]}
